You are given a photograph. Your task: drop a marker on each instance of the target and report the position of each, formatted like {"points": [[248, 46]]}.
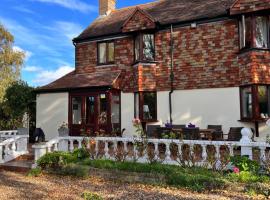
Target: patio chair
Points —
{"points": [[218, 134], [234, 134], [191, 133], [152, 131]]}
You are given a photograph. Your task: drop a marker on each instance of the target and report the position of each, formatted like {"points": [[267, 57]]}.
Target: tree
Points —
{"points": [[11, 61], [19, 100]]}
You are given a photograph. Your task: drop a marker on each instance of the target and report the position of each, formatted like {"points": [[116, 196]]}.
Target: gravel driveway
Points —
{"points": [[18, 186]]}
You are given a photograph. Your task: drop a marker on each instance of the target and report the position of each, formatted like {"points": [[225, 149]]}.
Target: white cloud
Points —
{"points": [[32, 69], [23, 9], [28, 54], [46, 76], [72, 4], [69, 29]]}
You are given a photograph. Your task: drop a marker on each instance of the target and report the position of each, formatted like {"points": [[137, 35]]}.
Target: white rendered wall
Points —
{"points": [[217, 106], [127, 113], [52, 111]]}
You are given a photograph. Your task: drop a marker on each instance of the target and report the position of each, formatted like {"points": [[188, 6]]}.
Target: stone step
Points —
{"points": [[17, 165], [29, 157]]}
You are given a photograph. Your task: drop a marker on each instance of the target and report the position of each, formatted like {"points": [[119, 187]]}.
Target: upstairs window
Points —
{"points": [[254, 32], [105, 53], [145, 106], [145, 47]]}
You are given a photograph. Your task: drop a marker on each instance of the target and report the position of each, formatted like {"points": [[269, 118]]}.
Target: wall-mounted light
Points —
{"points": [[193, 25]]}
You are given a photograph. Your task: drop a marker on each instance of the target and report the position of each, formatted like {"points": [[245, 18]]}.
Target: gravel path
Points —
{"points": [[18, 186]]}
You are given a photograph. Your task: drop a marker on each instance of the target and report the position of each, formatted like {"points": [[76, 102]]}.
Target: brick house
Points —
{"points": [[204, 62]]}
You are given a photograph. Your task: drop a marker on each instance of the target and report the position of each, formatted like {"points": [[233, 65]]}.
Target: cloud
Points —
{"points": [[23, 9], [46, 76], [72, 4], [32, 69], [69, 29], [28, 54]]}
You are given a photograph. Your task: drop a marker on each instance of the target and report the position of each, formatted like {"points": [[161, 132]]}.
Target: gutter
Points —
{"points": [[171, 75]]}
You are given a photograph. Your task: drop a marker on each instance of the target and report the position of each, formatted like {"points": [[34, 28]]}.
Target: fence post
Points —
{"points": [[40, 150], [63, 145], [245, 142]]}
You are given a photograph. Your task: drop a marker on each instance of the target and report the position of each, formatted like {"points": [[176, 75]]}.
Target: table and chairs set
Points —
{"points": [[212, 132]]}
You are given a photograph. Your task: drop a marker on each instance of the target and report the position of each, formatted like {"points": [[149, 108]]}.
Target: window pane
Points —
{"points": [[103, 109], [111, 52], [137, 105], [246, 94], [241, 34], [148, 46], [116, 113], [149, 105], [90, 110], [76, 110], [102, 52], [261, 40], [137, 48], [248, 31], [263, 101]]}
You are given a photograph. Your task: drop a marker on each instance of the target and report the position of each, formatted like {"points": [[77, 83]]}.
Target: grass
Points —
{"points": [[198, 179]]}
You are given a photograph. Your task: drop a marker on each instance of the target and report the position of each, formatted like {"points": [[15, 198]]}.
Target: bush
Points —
{"points": [[35, 172], [245, 164], [91, 196], [55, 160], [81, 153], [258, 188], [72, 170]]}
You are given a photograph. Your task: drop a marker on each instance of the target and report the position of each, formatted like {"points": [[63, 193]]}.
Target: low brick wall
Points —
{"points": [[129, 177]]}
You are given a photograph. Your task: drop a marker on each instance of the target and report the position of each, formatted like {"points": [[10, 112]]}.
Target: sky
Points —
{"points": [[44, 30]]}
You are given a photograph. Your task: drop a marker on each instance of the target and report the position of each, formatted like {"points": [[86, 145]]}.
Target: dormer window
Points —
{"points": [[254, 32], [145, 47], [105, 53]]}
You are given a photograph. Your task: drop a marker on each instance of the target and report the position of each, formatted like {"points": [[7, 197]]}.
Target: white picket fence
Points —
{"points": [[110, 145], [12, 145]]}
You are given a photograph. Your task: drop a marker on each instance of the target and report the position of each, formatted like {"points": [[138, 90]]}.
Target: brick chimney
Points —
{"points": [[106, 7]]}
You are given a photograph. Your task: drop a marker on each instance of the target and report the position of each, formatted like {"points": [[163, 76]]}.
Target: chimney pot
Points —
{"points": [[106, 7]]}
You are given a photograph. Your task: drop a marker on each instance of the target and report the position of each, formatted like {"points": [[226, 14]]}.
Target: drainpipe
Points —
{"points": [[171, 75]]}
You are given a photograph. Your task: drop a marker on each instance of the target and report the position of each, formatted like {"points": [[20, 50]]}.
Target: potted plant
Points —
{"points": [[63, 130]]}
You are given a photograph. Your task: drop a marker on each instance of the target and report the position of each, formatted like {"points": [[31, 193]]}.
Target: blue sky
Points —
{"points": [[44, 30]]}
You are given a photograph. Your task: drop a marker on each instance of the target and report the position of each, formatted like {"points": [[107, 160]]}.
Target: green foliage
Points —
{"points": [[197, 179], [18, 100], [247, 177], [81, 153], [56, 160], [72, 169], [35, 172], [245, 164], [10, 61], [169, 135], [91, 196], [258, 188]]}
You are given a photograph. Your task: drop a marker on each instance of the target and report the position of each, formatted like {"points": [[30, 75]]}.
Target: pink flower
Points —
{"points": [[236, 170], [136, 121]]}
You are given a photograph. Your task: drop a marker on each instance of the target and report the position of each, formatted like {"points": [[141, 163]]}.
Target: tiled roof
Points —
{"points": [[85, 80], [162, 11]]}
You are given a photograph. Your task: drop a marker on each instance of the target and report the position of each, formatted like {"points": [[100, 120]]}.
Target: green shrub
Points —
{"points": [[81, 153], [72, 170], [35, 172], [91, 196], [258, 188], [55, 160], [245, 164]]}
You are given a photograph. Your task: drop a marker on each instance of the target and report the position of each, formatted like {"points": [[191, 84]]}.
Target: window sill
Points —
{"points": [[245, 50], [145, 62], [106, 65]]}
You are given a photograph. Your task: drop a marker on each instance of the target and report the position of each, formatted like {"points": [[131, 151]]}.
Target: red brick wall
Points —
{"points": [[245, 6], [138, 21], [204, 57]]}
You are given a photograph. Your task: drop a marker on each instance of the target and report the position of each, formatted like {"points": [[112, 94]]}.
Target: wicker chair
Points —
{"points": [[191, 133], [152, 131], [218, 134], [234, 134]]}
